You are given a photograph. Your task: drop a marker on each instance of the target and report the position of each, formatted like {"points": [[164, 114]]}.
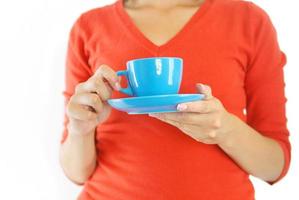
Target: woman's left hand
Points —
{"points": [[206, 120]]}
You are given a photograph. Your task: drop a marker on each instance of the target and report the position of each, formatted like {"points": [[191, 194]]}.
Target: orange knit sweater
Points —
{"points": [[230, 45]]}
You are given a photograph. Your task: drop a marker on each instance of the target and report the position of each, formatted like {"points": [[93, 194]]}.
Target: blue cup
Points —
{"points": [[153, 76]]}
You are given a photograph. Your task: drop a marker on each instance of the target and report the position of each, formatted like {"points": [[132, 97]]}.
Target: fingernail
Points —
{"points": [[116, 79], [117, 86], [182, 107], [202, 86]]}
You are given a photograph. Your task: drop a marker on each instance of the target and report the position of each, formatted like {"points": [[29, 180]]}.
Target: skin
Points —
{"points": [[206, 121], [153, 17], [86, 109]]}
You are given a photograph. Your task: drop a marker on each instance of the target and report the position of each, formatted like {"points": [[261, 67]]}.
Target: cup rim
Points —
{"points": [[148, 58]]}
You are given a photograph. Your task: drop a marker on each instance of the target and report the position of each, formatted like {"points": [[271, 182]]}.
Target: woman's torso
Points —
{"points": [[143, 158]]}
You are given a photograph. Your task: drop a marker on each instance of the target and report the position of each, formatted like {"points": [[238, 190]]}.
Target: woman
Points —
{"points": [[206, 150]]}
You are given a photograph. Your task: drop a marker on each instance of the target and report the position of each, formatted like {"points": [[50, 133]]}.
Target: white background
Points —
{"points": [[33, 39]]}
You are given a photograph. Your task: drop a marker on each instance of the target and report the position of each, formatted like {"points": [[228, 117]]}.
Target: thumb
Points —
{"points": [[205, 90]]}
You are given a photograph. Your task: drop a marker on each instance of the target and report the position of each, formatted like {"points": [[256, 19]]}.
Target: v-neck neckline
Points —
{"points": [[137, 33]]}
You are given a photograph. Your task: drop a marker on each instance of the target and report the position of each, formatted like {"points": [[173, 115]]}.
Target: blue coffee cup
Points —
{"points": [[153, 76]]}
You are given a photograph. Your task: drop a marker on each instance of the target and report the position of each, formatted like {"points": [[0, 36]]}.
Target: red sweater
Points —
{"points": [[230, 45]]}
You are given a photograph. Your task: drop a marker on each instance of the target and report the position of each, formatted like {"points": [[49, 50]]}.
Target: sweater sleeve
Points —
{"points": [[265, 84], [77, 69]]}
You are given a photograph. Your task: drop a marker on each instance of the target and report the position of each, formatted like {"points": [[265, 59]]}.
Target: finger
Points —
{"points": [[106, 72], [79, 112], [88, 99], [195, 132], [176, 117], [198, 106], [192, 131], [95, 85], [200, 132], [202, 120], [102, 89], [204, 89], [164, 119]]}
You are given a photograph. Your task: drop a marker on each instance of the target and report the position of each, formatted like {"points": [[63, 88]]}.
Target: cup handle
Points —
{"points": [[127, 90]]}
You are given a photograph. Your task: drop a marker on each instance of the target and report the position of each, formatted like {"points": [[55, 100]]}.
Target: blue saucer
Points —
{"points": [[152, 104]]}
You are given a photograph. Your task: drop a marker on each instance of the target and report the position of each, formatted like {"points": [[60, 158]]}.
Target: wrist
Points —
{"points": [[229, 135], [81, 139], [75, 133], [81, 135]]}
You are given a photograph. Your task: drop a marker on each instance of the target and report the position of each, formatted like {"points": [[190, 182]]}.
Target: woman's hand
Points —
{"points": [[206, 120], [85, 110], [88, 107]]}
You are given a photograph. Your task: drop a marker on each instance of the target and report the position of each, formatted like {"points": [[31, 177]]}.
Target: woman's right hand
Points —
{"points": [[88, 106]]}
